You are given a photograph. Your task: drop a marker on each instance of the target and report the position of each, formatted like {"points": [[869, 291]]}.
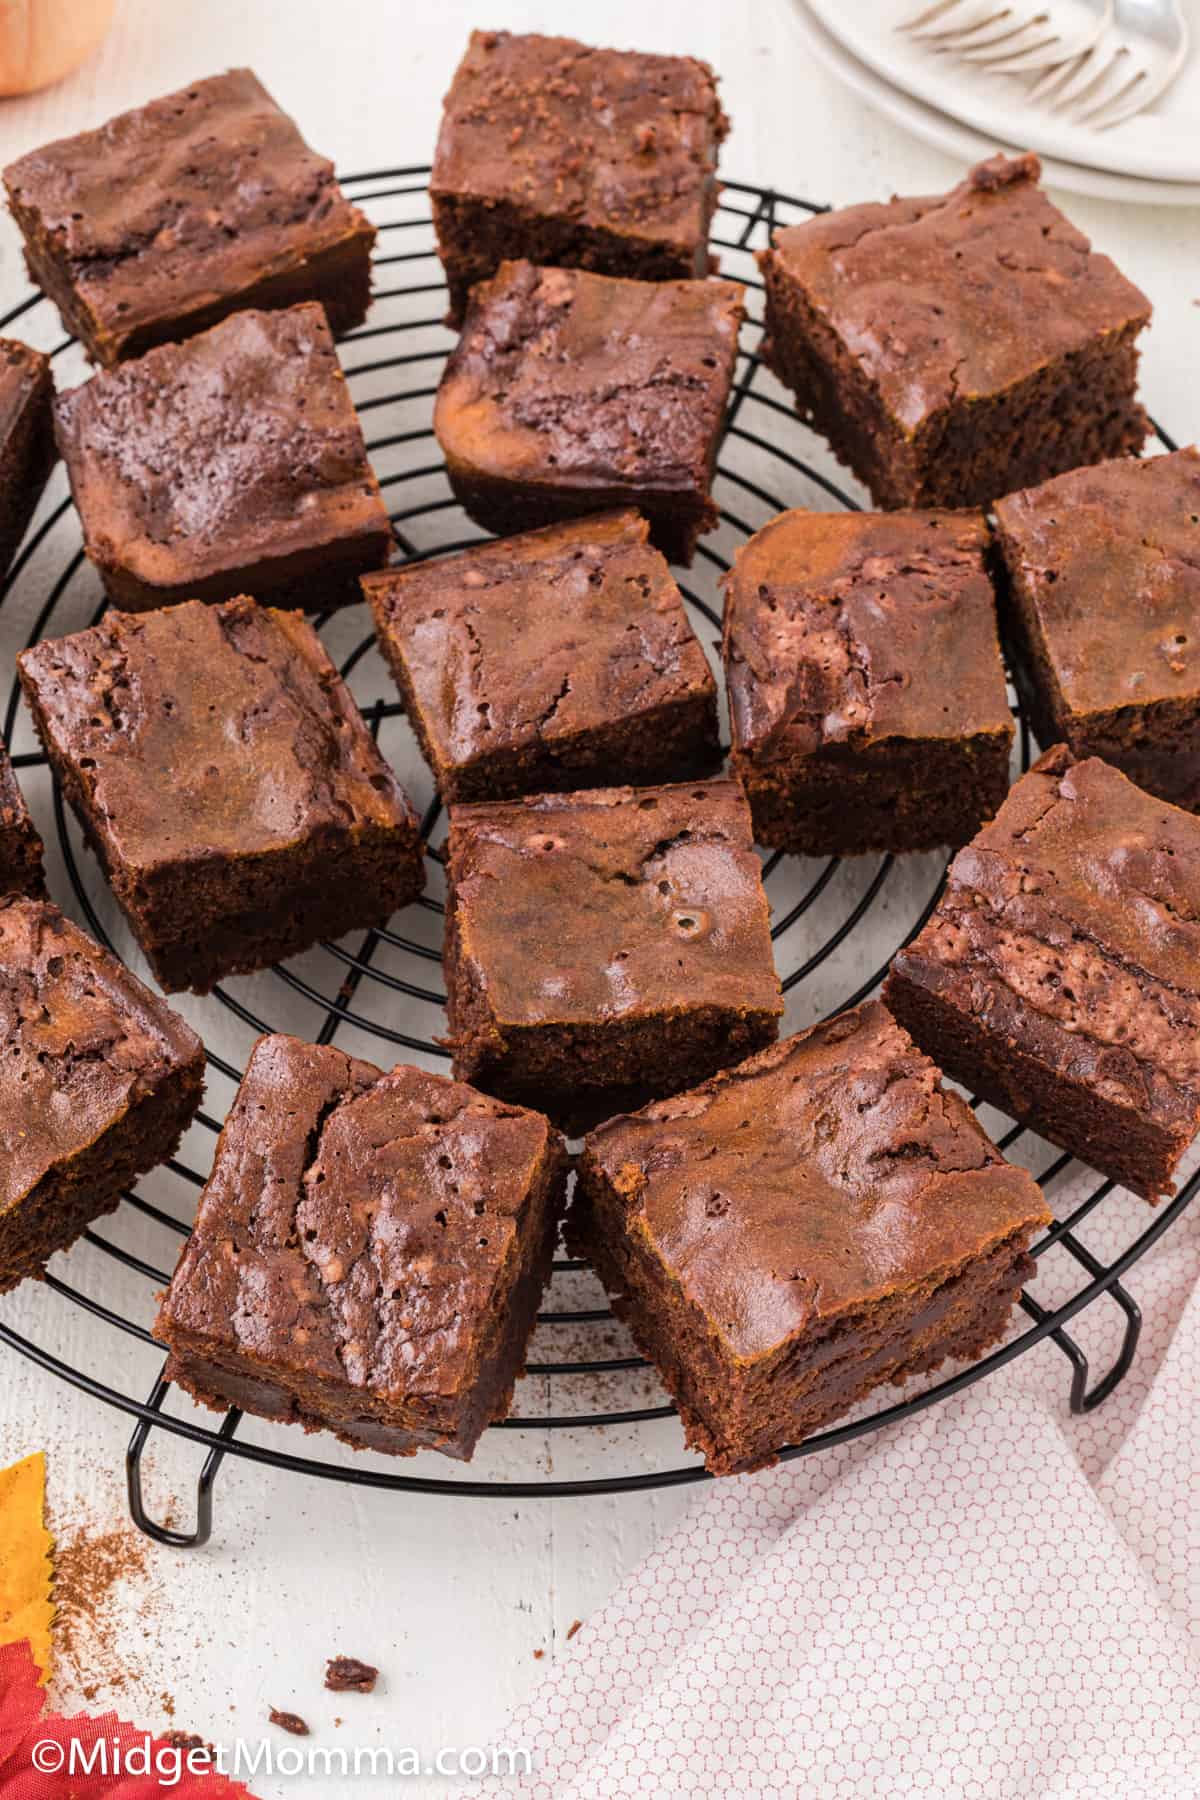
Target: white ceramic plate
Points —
{"points": [[959, 141], [1161, 145]]}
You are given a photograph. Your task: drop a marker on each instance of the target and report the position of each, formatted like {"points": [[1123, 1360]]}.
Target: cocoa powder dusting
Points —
{"points": [[89, 1568]]}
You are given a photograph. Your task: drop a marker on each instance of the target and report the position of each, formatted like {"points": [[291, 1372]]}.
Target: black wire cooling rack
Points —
{"points": [[835, 926]]}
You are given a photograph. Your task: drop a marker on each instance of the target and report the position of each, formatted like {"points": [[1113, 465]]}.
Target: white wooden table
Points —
{"points": [[454, 1599]]}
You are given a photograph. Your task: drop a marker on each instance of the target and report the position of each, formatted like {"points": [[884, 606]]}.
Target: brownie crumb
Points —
{"points": [[289, 1722], [189, 1742], [538, 1655], [346, 1675], [572, 1628]]}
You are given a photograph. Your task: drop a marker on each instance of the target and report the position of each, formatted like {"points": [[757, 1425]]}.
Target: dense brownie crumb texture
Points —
{"points": [[956, 347], [223, 774], [824, 1218], [867, 697], [1104, 587], [597, 159], [559, 659], [233, 463], [171, 216], [20, 845], [98, 1081], [570, 392], [607, 946], [368, 1254], [1060, 975], [26, 440]]}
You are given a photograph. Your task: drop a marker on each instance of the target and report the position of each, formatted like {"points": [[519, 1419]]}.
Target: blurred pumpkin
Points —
{"points": [[43, 40]]}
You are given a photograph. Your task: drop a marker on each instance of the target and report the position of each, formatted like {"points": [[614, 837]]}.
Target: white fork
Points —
{"points": [[1011, 36], [1135, 59]]}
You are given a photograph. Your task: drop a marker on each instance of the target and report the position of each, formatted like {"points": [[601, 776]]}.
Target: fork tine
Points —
{"points": [[1009, 61], [1055, 77], [1095, 113], [927, 13], [1138, 95], [1110, 80], [1090, 70], [968, 17], [996, 32]]}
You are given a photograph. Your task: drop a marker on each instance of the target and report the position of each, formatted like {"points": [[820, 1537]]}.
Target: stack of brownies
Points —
{"points": [[784, 1224]]}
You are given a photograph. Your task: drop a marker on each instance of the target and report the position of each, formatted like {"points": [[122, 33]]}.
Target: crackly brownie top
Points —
{"points": [[240, 443], [943, 298], [358, 1226], [577, 379], [201, 731], [1081, 903], [1109, 559], [183, 201], [81, 1041], [22, 370], [840, 629], [612, 139], [539, 637], [612, 903], [829, 1172]]}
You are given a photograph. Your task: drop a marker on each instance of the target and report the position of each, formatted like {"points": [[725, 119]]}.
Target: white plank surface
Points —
{"points": [[451, 1597]]}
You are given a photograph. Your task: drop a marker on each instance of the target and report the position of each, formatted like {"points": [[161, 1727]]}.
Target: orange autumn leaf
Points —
{"points": [[26, 1560]]}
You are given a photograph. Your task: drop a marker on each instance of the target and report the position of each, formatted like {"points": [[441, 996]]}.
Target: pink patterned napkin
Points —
{"points": [[993, 1600]]}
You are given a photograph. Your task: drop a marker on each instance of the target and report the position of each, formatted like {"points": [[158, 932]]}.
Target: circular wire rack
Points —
{"points": [[836, 925]]}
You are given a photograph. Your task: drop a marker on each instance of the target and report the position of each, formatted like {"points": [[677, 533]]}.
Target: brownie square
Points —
{"points": [[20, 845], [226, 780], [233, 463], [1104, 605], [606, 947], [386, 1285], [1059, 977], [26, 440], [841, 630], [560, 659], [98, 1081], [596, 159], [171, 216], [953, 348], [570, 392], [824, 1218]]}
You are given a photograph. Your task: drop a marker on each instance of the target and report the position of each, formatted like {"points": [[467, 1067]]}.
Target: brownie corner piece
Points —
{"points": [[27, 450], [606, 946], [21, 846], [563, 153], [285, 826], [568, 393], [99, 1079], [1059, 976], [1008, 353], [570, 659], [1103, 604], [169, 217], [737, 1228], [838, 632], [388, 1292], [232, 463]]}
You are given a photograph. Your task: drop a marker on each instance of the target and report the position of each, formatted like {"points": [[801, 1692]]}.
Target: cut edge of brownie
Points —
{"points": [[67, 1199], [28, 455], [957, 1312], [21, 847], [866, 802], [677, 519]]}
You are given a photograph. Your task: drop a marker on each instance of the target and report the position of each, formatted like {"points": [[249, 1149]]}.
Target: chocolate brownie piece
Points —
{"points": [[385, 1283], [559, 659], [1104, 605], [226, 780], [606, 947], [866, 692], [99, 1079], [1059, 977], [173, 215], [820, 1220], [596, 159], [230, 464], [26, 440], [570, 392], [956, 347], [20, 845]]}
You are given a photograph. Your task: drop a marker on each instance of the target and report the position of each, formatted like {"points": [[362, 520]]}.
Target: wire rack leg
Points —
{"points": [[1083, 1397], [166, 1534]]}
